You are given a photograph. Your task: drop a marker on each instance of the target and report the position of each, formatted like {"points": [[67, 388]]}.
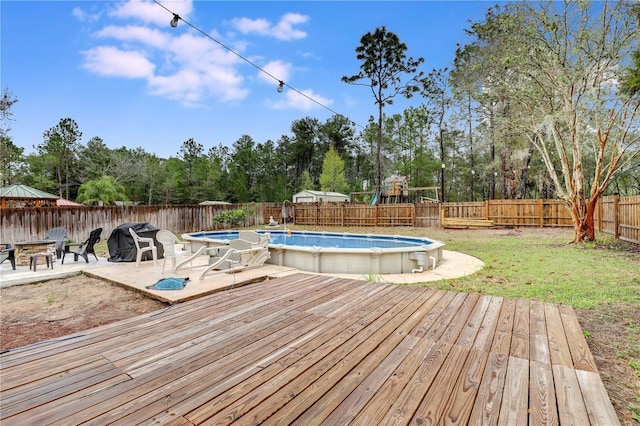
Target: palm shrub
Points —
{"points": [[233, 218]]}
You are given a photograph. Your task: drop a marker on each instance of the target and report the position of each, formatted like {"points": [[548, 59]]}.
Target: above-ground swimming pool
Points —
{"points": [[340, 253]]}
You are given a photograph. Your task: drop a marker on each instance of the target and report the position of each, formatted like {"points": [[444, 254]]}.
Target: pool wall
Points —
{"points": [[423, 254]]}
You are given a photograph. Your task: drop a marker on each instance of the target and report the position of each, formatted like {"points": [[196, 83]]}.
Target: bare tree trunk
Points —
{"points": [[503, 154], [473, 175], [378, 155], [492, 178], [524, 175], [583, 215]]}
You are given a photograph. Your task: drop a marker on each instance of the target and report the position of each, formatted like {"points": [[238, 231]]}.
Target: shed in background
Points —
{"points": [[309, 196]]}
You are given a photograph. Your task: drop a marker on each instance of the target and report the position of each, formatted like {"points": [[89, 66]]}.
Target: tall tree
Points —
{"points": [[562, 64], [217, 172], [481, 74], [465, 89], [95, 159], [304, 151], [269, 174], [411, 147], [339, 132], [384, 65], [193, 179], [306, 182], [332, 177], [242, 170], [10, 160], [436, 92], [10, 154], [61, 146]]}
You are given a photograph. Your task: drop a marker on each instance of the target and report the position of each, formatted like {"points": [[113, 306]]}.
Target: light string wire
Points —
{"points": [[280, 82]]}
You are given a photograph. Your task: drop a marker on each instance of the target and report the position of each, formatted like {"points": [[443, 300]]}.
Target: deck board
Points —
{"points": [[306, 349]]}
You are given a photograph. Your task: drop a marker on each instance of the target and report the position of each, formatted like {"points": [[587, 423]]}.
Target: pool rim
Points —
{"points": [[424, 255]]}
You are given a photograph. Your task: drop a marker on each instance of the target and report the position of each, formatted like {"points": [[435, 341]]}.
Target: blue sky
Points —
{"points": [[124, 74]]}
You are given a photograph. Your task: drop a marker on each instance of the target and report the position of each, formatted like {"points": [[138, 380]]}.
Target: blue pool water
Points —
{"points": [[325, 240]]}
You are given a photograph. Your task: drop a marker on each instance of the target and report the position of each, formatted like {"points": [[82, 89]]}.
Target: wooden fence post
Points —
{"points": [[486, 210], [599, 214], [616, 213], [541, 211], [413, 212]]}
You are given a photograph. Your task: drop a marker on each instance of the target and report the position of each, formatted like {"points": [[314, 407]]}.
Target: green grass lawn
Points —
{"points": [[540, 265]]}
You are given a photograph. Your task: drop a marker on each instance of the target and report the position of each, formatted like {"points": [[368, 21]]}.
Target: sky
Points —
{"points": [[125, 75]]}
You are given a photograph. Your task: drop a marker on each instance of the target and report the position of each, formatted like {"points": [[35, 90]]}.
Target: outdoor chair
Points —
{"points": [[85, 248], [239, 255], [59, 235], [8, 253], [148, 245], [168, 241]]}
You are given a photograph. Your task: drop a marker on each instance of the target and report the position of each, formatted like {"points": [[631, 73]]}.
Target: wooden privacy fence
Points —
{"points": [[25, 224], [502, 212], [550, 213], [366, 215], [619, 216]]}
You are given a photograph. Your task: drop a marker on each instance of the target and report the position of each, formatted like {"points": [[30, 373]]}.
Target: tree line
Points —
{"points": [[541, 102]]}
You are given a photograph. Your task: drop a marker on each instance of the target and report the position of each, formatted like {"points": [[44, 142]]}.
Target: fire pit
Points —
{"points": [[25, 249]]}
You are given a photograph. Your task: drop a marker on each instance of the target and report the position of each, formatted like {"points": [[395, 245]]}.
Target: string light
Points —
{"points": [[281, 84], [174, 21]]}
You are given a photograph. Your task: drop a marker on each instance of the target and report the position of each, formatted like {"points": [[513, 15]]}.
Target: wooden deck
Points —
{"points": [[306, 349]]}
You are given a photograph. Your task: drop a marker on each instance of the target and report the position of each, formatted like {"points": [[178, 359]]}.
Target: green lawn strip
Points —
{"points": [[543, 267]]}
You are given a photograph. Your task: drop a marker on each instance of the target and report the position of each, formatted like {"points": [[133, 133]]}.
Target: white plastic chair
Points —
{"points": [[140, 250], [168, 241]]}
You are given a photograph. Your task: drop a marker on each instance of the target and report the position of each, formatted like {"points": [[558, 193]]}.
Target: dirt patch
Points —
{"points": [[613, 335], [51, 309]]}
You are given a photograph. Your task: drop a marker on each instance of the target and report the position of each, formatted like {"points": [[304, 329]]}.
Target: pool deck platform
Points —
{"points": [[311, 349]]}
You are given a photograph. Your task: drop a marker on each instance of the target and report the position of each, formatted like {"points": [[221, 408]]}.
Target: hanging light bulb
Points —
{"points": [[280, 86], [174, 21]]}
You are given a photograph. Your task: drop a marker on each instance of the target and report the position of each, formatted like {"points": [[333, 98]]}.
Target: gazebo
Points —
{"points": [[21, 196]]}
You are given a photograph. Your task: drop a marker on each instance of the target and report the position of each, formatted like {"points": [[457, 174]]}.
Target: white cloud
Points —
{"points": [[248, 26], [191, 86], [294, 100], [148, 11], [114, 62], [183, 65], [84, 16], [283, 30], [196, 51], [279, 69], [133, 33]]}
